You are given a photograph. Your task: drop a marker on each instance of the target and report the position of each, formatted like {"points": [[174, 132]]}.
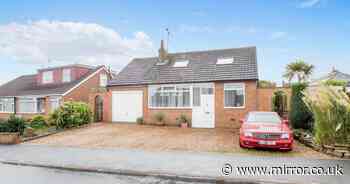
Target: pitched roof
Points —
{"points": [[333, 75], [26, 85], [202, 67]]}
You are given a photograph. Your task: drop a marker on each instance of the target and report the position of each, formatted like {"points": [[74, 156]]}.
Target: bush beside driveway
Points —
{"points": [[156, 138]]}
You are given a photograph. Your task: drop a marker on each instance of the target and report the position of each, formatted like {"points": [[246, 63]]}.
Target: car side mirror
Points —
{"points": [[285, 121]]}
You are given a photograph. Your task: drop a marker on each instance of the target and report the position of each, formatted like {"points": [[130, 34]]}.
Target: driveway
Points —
{"points": [[156, 138]]}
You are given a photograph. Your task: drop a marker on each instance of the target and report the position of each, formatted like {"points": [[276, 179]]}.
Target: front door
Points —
{"points": [[203, 106]]}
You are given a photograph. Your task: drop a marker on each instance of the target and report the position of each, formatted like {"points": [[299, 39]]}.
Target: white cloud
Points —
{"points": [[278, 35], [309, 3], [71, 42]]}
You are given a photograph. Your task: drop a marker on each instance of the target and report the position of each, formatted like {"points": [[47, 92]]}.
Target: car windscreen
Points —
{"points": [[263, 118]]}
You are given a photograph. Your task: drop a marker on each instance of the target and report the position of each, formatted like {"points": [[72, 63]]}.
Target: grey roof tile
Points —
{"points": [[202, 67], [26, 85]]}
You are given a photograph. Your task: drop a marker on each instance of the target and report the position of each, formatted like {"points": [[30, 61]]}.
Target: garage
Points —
{"points": [[126, 106]]}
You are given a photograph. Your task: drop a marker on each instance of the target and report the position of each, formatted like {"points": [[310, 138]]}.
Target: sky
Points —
{"points": [[37, 34]]}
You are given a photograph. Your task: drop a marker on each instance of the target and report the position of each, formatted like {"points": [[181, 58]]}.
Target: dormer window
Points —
{"points": [[224, 61], [182, 63], [66, 75], [47, 77]]}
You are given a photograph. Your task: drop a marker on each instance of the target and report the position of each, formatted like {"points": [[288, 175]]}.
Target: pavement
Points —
{"points": [[189, 166]]}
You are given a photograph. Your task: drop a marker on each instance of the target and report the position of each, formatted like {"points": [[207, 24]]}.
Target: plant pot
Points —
{"points": [[184, 125], [9, 138]]}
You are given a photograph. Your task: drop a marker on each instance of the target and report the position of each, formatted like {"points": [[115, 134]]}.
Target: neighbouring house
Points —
{"points": [[214, 88], [43, 92], [333, 75]]}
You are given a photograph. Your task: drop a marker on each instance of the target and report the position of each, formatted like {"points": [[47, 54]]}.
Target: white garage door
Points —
{"points": [[126, 106]]}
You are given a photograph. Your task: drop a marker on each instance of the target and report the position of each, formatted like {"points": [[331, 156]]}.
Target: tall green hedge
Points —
{"points": [[299, 115], [71, 114]]}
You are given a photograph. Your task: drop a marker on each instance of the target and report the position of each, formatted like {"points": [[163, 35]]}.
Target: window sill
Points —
{"points": [[243, 107], [170, 108]]}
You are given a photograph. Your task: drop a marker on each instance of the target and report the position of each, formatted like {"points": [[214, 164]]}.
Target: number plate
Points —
{"points": [[267, 142]]}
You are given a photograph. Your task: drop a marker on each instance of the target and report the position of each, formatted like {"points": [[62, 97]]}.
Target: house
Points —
{"points": [[214, 88], [43, 92], [333, 75]]}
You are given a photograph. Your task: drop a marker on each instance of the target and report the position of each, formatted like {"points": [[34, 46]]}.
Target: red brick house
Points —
{"points": [[40, 93], [214, 88]]}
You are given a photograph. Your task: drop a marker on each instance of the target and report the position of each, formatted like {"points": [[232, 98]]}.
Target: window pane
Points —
{"points": [[47, 77], [234, 95], [54, 103], [7, 105], [196, 96], [27, 105], [103, 80], [40, 105], [66, 75]]}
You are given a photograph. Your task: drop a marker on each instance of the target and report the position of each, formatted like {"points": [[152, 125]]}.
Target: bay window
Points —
{"points": [[7, 104], [173, 96], [27, 105], [234, 95]]}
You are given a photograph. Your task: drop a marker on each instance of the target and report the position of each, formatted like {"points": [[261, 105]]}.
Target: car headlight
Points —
{"points": [[248, 134], [285, 136]]}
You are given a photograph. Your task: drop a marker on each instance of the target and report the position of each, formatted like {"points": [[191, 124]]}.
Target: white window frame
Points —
{"points": [[235, 86], [34, 100], [103, 80], [54, 100], [225, 61], [181, 64], [47, 77], [13, 105], [66, 75], [151, 87]]}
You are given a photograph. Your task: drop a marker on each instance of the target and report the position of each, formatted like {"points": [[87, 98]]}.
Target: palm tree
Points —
{"points": [[300, 69]]}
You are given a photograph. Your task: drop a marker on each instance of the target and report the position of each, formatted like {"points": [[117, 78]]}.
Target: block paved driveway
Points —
{"points": [[156, 138]]}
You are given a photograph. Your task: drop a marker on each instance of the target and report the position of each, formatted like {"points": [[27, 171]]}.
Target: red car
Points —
{"points": [[265, 130]]}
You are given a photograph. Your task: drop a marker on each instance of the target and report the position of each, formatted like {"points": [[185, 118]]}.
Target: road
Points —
{"points": [[175, 163], [11, 174]]}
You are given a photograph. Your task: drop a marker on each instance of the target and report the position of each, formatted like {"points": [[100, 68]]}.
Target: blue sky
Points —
{"points": [[111, 32]]}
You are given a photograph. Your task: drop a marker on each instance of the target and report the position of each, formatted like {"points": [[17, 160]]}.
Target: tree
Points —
{"points": [[299, 115], [300, 69]]}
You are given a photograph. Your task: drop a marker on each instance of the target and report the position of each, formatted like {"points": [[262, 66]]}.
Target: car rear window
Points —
{"points": [[263, 118]]}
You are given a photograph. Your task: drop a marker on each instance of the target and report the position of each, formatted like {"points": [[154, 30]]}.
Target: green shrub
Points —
{"points": [[160, 118], [183, 119], [332, 82], [331, 110], [13, 124], [140, 121], [266, 84], [299, 115], [279, 102], [38, 121], [71, 114]]}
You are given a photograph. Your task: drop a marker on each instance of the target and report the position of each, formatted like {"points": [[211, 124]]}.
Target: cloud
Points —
{"points": [[309, 3], [278, 35], [71, 42]]}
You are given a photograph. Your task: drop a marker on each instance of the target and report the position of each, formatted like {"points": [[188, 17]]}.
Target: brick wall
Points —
{"points": [[76, 73], [265, 97], [229, 117], [223, 117], [83, 92]]}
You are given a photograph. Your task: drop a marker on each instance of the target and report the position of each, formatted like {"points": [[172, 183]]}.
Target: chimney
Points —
{"points": [[162, 52]]}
